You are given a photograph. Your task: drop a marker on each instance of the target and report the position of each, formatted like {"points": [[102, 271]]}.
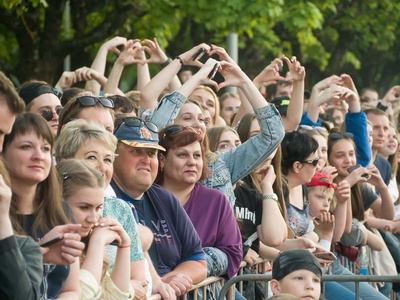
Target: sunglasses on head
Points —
{"points": [[339, 135], [321, 130], [313, 162], [136, 122], [48, 114], [174, 129], [91, 101]]}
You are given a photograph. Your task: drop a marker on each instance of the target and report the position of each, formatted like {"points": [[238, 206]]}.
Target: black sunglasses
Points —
{"points": [[136, 122], [174, 129], [91, 101], [47, 114], [339, 135], [313, 162]]}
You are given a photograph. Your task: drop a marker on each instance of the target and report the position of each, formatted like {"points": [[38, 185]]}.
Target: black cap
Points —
{"points": [[292, 260], [281, 104]]}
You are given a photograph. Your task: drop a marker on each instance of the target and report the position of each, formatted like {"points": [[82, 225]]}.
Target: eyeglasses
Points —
{"points": [[45, 89], [313, 162], [136, 122], [174, 129], [47, 114], [91, 101], [339, 135], [321, 130]]}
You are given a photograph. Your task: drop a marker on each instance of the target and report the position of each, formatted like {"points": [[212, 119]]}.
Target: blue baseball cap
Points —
{"points": [[137, 136]]}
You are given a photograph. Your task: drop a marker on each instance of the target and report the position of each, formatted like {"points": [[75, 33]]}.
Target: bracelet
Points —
{"points": [[166, 63], [272, 196], [180, 60], [126, 246]]}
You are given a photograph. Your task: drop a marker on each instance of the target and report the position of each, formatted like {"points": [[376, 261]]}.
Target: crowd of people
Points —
{"points": [[106, 194]]}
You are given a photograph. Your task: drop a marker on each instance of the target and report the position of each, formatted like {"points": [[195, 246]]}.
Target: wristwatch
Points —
{"points": [[272, 196]]}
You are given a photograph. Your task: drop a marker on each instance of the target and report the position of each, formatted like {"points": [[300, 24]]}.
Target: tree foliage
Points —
{"points": [[328, 36]]}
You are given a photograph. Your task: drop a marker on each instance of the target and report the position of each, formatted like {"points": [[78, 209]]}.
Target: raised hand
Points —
{"points": [[152, 48], [130, 53], [270, 74], [297, 71], [187, 57], [112, 45], [222, 54]]}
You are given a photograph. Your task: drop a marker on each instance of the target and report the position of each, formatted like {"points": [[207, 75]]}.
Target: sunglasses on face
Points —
{"points": [[91, 101], [174, 129], [136, 122], [313, 162], [48, 114]]}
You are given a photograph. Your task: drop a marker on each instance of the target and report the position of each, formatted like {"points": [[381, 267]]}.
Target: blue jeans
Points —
{"points": [[366, 291], [333, 290], [217, 261]]}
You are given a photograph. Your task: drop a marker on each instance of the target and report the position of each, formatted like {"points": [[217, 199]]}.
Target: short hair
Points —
{"points": [[125, 103], [296, 146], [214, 135], [9, 95], [375, 111], [70, 93], [180, 139], [78, 132], [71, 112], [134, 96], [73, 173]]}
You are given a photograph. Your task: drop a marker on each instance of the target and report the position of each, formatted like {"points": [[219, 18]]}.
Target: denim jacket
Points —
{"points": [[229, 167]]}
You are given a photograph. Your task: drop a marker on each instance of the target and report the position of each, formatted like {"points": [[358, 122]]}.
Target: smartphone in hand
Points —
{"points": [[352, 168], [325, 255], [213, 72], [199, 54], [52, 242]]}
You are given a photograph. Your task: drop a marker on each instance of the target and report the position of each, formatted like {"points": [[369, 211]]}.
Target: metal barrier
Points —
{"points": [[267, 277]]}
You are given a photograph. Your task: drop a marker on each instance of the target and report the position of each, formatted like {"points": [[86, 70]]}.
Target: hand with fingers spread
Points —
{"points": [[152, 48], [330, 171], [270, 74]]}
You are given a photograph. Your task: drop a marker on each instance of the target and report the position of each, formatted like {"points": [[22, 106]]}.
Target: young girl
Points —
{"points": [[83, 188]]}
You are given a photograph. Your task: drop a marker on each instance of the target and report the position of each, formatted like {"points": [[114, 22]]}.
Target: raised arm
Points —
{"points": [[127, 57], [151, 92], [99, 63]]}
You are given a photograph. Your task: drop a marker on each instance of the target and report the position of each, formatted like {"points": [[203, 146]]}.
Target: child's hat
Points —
{"points": [[321, 179]]}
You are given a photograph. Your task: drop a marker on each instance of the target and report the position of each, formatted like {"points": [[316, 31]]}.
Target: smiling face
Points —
{"points": [[191, 115], [322, 151], [86, 206], [301, 283], [391, 143], [183, 164], [135, 169], [228, 140], [342, 156], [97, 155], [47, 101], [28, 158]]}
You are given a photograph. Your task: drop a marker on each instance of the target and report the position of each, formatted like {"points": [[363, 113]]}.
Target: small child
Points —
{"points": [[296, 272], [320, 194]]}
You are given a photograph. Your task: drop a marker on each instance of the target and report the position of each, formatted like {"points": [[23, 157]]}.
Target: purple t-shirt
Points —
{"points": [[215, 223]]}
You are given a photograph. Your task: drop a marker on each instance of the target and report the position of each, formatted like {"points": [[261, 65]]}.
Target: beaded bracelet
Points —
{"points": [[180, 60]]}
